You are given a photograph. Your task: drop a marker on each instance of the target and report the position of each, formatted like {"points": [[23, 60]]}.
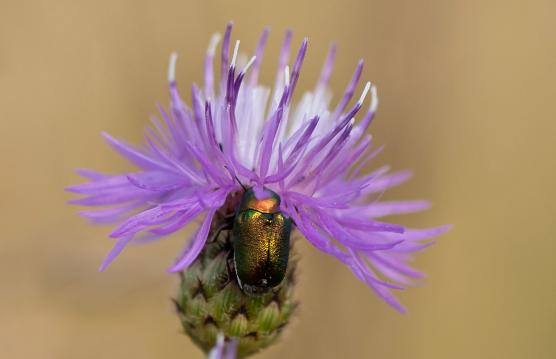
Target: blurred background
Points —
{"points": [[466, 91]]}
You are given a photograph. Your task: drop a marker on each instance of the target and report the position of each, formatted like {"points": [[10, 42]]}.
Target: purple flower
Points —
{"points": [[224, 349], [237, 132]]}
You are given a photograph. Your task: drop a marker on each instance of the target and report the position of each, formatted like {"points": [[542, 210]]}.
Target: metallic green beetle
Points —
{"points": [[261, 242]]}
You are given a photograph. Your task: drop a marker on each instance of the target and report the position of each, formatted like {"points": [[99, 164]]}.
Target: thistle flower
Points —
{"points": [[237, 135]]}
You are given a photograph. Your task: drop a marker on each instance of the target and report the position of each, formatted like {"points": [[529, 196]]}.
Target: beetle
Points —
{"points": [[260, 241]]}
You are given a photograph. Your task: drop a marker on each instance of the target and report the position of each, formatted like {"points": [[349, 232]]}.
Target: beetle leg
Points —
{"points": [[230, 217], [231, 271], [224, 226], [233, 260]]}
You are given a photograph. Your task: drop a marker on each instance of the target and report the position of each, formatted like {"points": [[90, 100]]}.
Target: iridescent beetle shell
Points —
{"points": [[261, 242]]}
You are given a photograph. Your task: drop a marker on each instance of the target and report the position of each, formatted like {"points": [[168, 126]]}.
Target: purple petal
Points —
{"points": [[342, 165], [369, 157], [109, 215], [156, 181], [207, 165], [259, 57], [209, 67], [268, 141], [422, 234], [326, 70], [368, 225], [140, 221], [381, 209], [312, 201], [411, 247], [90, 174], [116, 250], [115, 197], [179, 167], [381, 291], [283, 58], [296, 153], [134, 155], [366, 274], [225, 53], [315, 237], [350, 89], [178, 222], [385, 182], [100, 184], [195, 246], [388, 261], [351, 239], [297, 67]]}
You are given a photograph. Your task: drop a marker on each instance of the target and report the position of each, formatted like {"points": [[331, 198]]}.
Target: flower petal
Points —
{"points": [[195, 246]]}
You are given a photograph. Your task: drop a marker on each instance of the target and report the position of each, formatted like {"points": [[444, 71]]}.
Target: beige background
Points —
{"points": [[467, 93]]}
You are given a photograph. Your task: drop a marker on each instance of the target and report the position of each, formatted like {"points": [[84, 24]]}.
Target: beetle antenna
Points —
{"points": [[241, 184], [237, 179]]}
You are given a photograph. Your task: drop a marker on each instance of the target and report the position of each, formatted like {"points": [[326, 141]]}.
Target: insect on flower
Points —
{"points": [[275, 165], [261, 242]]}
